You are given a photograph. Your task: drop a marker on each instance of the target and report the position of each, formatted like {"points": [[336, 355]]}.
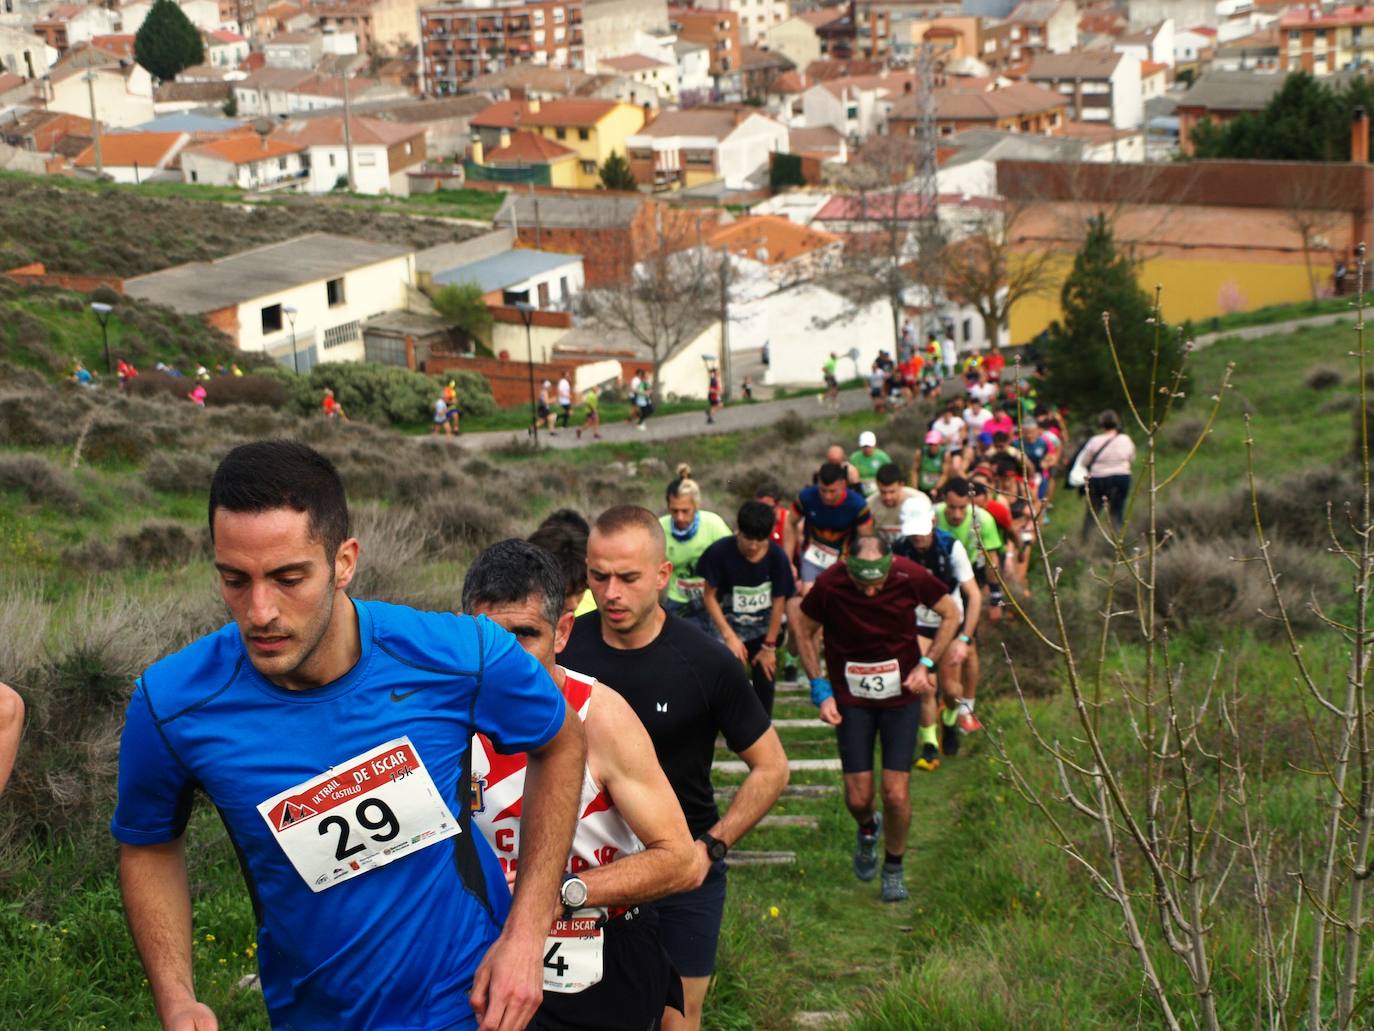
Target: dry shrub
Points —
{"points": [[392, 542], [1293, 509], [1182, 434], [456, 520], [1323, 377], [43, 482], [114, 439], [245, 390], [180, 472], [160, 384], [1219, 582], [791, 428], [1339, 403], [155, 544]]}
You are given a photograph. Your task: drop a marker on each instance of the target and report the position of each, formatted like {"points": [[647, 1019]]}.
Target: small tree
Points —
{"points": [[167, 42], [1082, 369], [461, 305], [616, 174]]}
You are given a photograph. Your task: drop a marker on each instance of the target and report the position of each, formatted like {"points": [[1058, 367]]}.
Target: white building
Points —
{"points": [[24, 54], [756, 17], [309, 295], [298, 50], [383, 152], [649, 80], [690, 147], [123, 94], [547, 280], [280, 91], [852, 107], [225, 49], [249, 162], [1100, 86], [203, 14]]}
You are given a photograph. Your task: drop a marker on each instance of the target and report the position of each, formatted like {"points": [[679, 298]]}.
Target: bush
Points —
{"points": [[791, 428], [380, 394], [1182, 434], [1211, 582], [1323, 377], [180, 472], [114, 439], [157, 544], [457, 520], [246, 390], [42, 481]]}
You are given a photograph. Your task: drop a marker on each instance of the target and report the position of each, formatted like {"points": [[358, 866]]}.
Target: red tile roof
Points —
{"points": [[126, 149], [780, 239], [119, 45], [225, 36], [244, 149], [528, 148], [327, 131], [631, 63], [576, 112]]}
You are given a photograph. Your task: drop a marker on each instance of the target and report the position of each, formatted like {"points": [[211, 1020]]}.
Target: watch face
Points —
{"points": [[574, 893]]}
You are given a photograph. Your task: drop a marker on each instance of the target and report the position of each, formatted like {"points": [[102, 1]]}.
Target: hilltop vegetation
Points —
{"points": [[105, 229]]}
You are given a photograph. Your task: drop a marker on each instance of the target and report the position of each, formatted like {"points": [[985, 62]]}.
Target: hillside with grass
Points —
{"points": [[90, 228], [103, 557]]}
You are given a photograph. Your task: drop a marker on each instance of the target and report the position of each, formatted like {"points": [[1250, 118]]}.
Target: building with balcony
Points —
{"points": [[458, 43], [248, 161], [718, 30], [683, 149], [1326, 39], [1101, 86]]}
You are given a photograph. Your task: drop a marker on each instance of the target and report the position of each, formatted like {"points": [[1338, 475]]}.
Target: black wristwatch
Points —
{"points": [[715, 848]]}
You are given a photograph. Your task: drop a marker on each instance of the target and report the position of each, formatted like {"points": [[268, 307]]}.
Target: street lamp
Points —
{"points": [[290, 314], [526, 311], [102, 312]]}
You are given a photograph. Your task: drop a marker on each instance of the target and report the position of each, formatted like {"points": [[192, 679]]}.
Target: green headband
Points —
{"points": [[869, 570]]}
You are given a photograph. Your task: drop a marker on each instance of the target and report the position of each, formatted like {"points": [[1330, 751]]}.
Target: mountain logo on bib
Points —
{"points": [[292, 812]]}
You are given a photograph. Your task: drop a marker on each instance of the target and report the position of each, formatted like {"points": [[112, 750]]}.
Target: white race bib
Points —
{"points": [[692, 586], [820, 556], [874, 681], [751, 601], [573, 953], [375, 808]]}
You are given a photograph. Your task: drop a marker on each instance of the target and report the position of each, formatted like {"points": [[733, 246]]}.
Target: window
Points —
{"points": [[543, 295], [560, 34], [538, 17], [563, 288], [561, 133], [271, 319], [367, 160], [539, 37], [195, 177], [852, 111], [281, 164], [334, 292], [698, 157], [968, 330], [407, 150], [558, 15], [331, 160], [588, 168], [584, 134], [337, 335]]}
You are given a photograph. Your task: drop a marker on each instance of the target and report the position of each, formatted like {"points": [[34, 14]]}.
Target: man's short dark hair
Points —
{"points": [[566, 540], [755, 520], [955, 485], [1005, 465], [1001, 437], [830, 472], [769, 490], [512, 571], [889, 473], [620, 518], [272, 474], [1020, 508]]}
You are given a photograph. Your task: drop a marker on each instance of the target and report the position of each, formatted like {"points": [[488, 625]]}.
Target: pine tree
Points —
{"points": [[1080, 371], [167, 42], [616, 174]]}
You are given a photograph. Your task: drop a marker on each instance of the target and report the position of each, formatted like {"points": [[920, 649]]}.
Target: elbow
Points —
{"points": [[11, 711]]}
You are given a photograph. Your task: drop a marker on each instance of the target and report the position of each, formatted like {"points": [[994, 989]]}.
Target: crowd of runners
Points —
{"points": [[503, 816]]}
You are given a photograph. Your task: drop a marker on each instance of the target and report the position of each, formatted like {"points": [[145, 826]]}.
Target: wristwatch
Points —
{"points": [[715, 848], [573, 893]]}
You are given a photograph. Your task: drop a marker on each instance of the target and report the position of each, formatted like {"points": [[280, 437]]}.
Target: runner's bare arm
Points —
{"points": [[717, 615], [808, 633], [973, 606], [622, 761], [508, 985], [157, 902], [768, 774], [789, 534], [766, 657], [949, 627], [11, 727]]}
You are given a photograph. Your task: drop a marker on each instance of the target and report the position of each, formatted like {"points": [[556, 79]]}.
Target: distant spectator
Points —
{"points": [[197, 394], [440, 418], [11, 727], [451, 399], [1107, 459], [332, 408], [565, 400], [82, 377], [233, 369], [746, 388], [126, 372]]}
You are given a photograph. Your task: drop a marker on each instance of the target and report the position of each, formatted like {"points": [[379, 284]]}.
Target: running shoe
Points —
{"points": [[929, 760], [949, 738], [866, 851], [969, 723], [893, 888]]}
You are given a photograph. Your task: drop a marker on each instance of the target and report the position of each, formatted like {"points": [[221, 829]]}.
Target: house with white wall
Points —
{"points": [[246, 161], [225, 49], [693, 68], [302, 301], [687, 148], [123, 90], [1100, 86], [383, 152], [25, 54], [280, 91], [548, 280], [856, 107], [136, 157]]}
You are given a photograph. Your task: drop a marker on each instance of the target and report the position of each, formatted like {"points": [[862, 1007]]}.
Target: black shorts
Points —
{"points": [[543, 411], [862, 725], [637, 982], [689, 924], [875, 391]]}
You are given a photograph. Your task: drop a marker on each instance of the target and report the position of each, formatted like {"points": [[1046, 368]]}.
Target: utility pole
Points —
{"points": [[95, 122], [725, 323], [348, 136], [928, 235]]}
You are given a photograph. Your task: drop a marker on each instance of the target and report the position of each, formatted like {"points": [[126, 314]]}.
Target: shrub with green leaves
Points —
{"points": [[380, 394]]}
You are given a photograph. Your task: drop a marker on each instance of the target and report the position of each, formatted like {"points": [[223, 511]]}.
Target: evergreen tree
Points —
{"points": [[167, 42], [616, 174], [462, 306], [1303, 121], [1080, 372]]}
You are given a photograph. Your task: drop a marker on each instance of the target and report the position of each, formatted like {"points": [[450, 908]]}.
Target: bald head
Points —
{"points": [[629, 519], [835, 453], [870, 547]]}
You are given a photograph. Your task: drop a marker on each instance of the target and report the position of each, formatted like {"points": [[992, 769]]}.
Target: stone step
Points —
{"points": [[818, 1020], [798, 724], [795, 765], [782, 820], [760, 858], [791, 791]]}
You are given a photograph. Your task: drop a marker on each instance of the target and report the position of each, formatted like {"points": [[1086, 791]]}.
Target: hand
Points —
{"points": [[509, 984], [830, 712], [956, 653], [701, 864], [766, 659], [918, 682], [192, 1016], [737, 648]]}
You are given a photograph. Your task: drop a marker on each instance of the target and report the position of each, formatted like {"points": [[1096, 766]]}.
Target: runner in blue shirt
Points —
{"points": [[332, 736]]}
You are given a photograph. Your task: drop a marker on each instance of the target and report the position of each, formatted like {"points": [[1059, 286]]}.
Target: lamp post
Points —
{"points": [[526, 311], [290, 314], [102, 312]]}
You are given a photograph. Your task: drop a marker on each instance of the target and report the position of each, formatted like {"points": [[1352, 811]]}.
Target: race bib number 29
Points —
{"points": [[371, 810]]}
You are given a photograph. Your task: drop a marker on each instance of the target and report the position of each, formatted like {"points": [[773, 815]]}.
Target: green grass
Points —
{"points": [[1275, 313]]}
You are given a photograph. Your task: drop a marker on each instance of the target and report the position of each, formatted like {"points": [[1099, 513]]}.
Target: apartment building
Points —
{"points": [[1321, 40], [718, 30], [459, 43], [756, 17]]}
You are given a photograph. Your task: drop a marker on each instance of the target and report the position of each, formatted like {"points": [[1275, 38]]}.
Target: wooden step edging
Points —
{"points": [[791, 791], [795, 765], [760, 858]]}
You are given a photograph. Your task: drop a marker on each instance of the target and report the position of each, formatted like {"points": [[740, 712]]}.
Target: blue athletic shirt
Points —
{"points": [[393, 947], [831, 525]]}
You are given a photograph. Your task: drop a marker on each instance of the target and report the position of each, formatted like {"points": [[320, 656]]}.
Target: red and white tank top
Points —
{"points": [[498, 789]]}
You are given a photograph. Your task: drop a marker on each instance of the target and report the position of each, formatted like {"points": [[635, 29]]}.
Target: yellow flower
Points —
{"points": [[774, 912], [223, 961], [209, 937]]}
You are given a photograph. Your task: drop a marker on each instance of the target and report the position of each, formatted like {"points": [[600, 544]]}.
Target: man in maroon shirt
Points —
{"points": [[866, 607]]}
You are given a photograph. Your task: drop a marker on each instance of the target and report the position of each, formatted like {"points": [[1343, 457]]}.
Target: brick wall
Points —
{"points": [[510, 383], [37, 275]]}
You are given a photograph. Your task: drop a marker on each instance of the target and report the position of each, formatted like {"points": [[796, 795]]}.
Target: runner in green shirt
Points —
{"points": [[832, 381], [957, 515], [690, 531], [592, 399], [868, 460]]}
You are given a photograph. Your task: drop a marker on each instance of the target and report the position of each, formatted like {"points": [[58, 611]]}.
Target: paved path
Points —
{"points": [[687, 424], [1273, 328]]}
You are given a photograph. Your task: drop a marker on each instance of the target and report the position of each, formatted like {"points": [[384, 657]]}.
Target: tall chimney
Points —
{"points": [[1359, 137]]}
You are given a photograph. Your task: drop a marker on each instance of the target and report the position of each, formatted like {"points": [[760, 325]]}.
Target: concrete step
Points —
{"points": [[791, 791], [798, 724], [795, 765], [760, 858], [818, 1020], [782, 820]]}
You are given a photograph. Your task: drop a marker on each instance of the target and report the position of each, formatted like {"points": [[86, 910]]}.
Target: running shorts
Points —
{"points": [[861, 726], [689, 924]]}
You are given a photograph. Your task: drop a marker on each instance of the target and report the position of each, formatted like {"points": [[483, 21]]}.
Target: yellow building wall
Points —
{"points": [[1196, 290], [565, 173], [697, 177], [606, 136]]}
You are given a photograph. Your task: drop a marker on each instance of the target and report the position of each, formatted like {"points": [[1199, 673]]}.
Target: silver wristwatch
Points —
{"points": [[573, 893]]}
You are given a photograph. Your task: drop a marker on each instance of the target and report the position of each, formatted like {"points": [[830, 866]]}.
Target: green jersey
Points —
{"points": [[684, 585], [928, 477], [964, 533], [868, 466]]}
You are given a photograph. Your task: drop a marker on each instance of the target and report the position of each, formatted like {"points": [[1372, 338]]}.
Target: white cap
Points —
{"points": [[868, 439], [918, 516]]}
